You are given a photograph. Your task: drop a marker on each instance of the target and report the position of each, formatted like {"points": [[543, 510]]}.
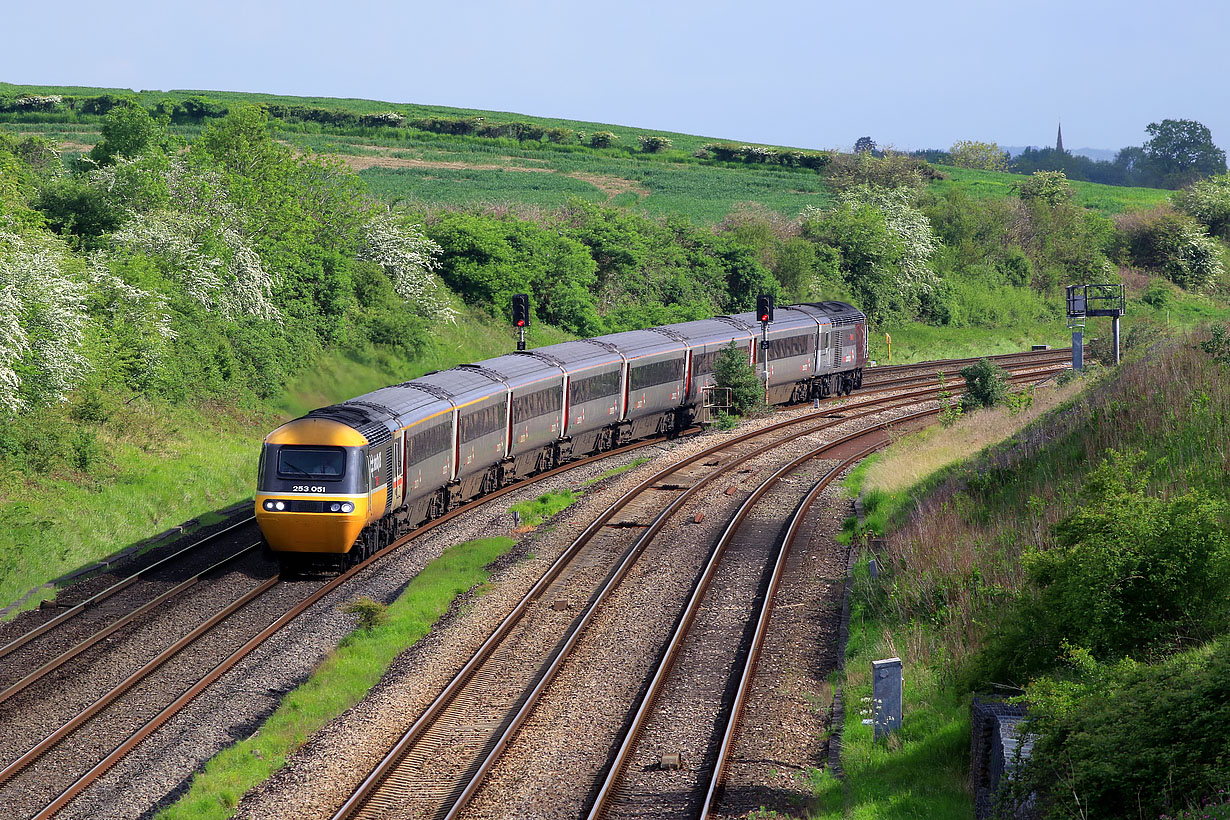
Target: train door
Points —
{"points": [[398, 490]]}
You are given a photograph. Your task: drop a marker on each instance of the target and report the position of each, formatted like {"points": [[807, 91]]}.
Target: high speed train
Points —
{"points": [[346, 480]]}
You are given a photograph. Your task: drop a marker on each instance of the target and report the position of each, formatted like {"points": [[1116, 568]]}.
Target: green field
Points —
{"points": [[457, 171], [1108, 199]]}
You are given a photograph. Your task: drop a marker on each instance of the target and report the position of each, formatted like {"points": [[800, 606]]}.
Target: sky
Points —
{"points": [[812, 75]]}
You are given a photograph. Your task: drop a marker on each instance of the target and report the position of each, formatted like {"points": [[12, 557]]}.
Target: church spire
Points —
{"points": [[1059, 140]]}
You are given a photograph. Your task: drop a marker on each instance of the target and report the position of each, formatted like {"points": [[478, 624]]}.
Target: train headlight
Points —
{"points": [[279, 505], [269, 505], [335, 507], [347, 507]]}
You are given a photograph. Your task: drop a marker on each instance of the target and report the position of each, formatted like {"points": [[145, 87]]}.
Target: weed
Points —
{"points": [[370, 613]]}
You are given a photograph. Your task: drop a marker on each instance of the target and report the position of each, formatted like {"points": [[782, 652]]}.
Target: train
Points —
{"points": [[346, 480]]}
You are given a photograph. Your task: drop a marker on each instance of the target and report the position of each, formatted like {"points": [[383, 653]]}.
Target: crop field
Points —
{"points": [[1107, 199], [443, 170]]}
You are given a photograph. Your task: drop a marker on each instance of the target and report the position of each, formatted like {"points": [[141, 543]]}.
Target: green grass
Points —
{"points": [[916, 342], [537, 510], [614, 471], [1107, 199], [919, 771], [166, 464], [340, 682]]}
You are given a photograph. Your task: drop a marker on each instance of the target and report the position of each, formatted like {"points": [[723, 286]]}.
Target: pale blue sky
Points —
{"points": [[813, 75]]}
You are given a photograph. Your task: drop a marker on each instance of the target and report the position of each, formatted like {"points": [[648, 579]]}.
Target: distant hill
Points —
{"points": [[1097, 154]]}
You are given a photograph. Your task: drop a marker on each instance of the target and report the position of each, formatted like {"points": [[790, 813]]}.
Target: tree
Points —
{"points": [[864, 145], [984, 155], [1208, 200], [732, 369], [1182, 150], [128, 131], [1050, 187]]}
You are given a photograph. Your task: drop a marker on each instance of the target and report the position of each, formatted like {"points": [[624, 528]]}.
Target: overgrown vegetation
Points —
{"points": [[1083, 564]]}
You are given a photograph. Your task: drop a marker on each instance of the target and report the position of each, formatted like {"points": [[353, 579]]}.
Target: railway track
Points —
{"points": [[673, 749], [15, 770], [41, 776], [441, 760]]}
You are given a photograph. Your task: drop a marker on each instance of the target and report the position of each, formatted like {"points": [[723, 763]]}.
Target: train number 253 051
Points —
{"points": [[305, 488]]}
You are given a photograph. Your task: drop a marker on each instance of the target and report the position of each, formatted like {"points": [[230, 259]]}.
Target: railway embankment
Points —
{"points": [[1079, 567]]}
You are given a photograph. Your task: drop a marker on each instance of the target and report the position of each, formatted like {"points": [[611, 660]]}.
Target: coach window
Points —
{"points": [[592, 388], [650, 375]]}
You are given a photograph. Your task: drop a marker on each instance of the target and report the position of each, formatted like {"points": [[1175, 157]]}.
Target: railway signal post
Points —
{"points": [[764, 312], [521, 317], [1093, 300]]}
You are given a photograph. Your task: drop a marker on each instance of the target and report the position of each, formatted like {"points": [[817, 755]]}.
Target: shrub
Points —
{"points": [[651, 144], [602, 139], [1217, 346], [1050, 187], [733, 370], [1133, 571], [1172, 244], [986, 384], [1131, 740], [1207, 200], [370, 613]]}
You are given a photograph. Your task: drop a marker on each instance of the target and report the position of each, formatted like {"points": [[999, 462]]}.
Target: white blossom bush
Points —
{"points": [[410, 260], [118, 302], [215, 264], [918, 242], [1208, 200], [182, 216], [42, 323]]}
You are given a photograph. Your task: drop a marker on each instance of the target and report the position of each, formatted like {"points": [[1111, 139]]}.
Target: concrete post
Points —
{"points": [[886, 696], [1115, 325]]}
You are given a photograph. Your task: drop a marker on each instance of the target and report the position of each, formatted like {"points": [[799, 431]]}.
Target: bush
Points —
{"points": [[1172, 244], [986, 384], [602, 139], [1207, 200], [733, 370], [1131, 740], [1132, 572], [370, 613], [1217, 346], [654, 144]]}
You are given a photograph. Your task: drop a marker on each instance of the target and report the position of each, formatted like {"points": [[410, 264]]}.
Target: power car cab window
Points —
{"points": [[307, 462]]}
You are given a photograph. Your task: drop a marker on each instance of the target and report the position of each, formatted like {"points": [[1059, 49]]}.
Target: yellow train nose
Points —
{"points": [[320, 530]]}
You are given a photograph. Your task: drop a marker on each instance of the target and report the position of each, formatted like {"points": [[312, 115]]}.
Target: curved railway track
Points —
{"points": [[692, 678], [440, 761], [14, 686]]}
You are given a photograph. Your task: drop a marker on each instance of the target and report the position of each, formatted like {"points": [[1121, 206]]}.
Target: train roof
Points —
{"points": [[638, 343], [708, 331], [463, 385], [524, 367], [784, 320], [837, 311], [582, 354]]}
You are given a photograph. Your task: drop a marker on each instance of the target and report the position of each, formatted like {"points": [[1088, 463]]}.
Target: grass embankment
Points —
{"points": [[953, 584], [922, 770], [150, 466], [341, 681]]}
